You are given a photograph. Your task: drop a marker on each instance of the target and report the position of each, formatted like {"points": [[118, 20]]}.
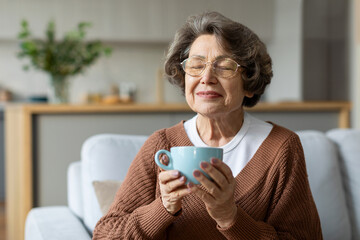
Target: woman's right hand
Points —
{"points": [[173, 189]]}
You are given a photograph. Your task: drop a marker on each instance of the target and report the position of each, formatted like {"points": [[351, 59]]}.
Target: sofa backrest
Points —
{"points": [[104, 157], [326, 184], [348, 142]]}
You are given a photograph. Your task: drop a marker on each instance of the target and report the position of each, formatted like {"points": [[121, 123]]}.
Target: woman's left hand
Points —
{"points": [[218, 195]]}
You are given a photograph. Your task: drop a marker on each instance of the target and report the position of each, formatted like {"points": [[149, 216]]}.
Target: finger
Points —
{"points": [[211, 187], [224, 168], [166, 176], [174, 185], [164, 160], [202, 194], [216, 175], [180, 193]]}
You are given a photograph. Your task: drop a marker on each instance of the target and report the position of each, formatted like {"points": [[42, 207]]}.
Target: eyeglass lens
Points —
{"points": [[222, 67]]}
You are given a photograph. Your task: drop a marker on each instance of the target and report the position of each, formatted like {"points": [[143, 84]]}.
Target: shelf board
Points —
{"points": [[174, 107]]}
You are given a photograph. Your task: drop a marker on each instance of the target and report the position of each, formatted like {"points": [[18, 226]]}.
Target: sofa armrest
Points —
{"points": [[74, 190], [56, 223]]}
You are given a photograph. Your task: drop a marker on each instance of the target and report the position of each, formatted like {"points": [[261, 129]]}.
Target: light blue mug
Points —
{"points": [[187, 159]]}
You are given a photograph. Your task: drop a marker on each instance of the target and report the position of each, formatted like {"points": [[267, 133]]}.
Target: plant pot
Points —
{"points": [[59, 89]]}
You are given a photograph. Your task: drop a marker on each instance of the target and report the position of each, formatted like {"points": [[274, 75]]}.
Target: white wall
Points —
{"points": [[286, 50], [139, 31]]}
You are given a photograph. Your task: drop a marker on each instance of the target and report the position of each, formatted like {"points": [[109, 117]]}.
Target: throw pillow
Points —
{"points": [[105, 192]]}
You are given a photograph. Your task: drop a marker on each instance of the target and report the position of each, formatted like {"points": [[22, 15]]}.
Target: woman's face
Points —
{"points": [[208, 94]]}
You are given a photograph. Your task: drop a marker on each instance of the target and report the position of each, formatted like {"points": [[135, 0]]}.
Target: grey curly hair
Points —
{"points": [[243, 44]]}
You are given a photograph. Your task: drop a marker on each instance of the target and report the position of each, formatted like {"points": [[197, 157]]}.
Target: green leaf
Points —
{"points": [[24, 33], [81, 28], [50, 31], [107, 51], [24, 23]]}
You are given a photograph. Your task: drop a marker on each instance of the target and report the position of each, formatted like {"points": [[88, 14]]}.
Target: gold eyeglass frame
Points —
{"points": [[183, 63]]}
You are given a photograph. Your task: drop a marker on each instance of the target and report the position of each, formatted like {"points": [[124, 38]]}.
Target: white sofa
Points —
{"points": [[332, 158]]}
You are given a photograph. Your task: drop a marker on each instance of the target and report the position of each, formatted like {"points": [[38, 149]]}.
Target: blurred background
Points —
{"points": [[314, 44], [310, 43]]}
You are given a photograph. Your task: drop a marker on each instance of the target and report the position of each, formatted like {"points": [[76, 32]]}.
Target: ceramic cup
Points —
{"points": [[188, 159]]}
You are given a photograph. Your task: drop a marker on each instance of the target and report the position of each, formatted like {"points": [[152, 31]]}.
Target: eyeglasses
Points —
{"points": [[223, 67]]}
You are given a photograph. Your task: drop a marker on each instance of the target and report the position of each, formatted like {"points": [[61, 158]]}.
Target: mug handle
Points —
{"points": [[167, 153]]}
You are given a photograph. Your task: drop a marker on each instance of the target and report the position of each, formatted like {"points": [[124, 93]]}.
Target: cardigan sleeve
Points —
{"points": [[293, 214], [136, 212]]}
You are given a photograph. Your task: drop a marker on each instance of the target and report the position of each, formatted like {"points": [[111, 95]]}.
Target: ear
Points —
{"points": [[249, 94]]}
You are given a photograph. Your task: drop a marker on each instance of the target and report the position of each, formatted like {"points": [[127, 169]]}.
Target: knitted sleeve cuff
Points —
{"points": [[245, 227], [154, 218]]}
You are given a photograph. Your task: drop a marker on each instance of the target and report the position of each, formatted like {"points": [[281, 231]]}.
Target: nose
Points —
{"points": [[208, 76]]}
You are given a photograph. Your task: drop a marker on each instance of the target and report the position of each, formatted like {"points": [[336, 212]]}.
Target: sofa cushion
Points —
{"points": [[326, 184], [55, 223], [348, 142], [105, 157]]}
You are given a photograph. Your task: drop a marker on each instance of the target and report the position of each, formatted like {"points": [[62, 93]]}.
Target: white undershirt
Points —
{"points": [[239, 151]]}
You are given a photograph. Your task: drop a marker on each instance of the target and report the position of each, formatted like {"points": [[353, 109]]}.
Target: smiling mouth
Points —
{"points": [[208, 94]]}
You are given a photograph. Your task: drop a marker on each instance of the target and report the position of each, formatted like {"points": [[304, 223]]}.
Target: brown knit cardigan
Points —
{"points": [[272, 194]]}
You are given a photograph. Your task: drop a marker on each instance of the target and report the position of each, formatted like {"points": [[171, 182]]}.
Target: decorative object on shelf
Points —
{"points": [[38, 99], [5, 95], [122, 93], [60, 59], [113, 97], [92, 98], [127, 91]]}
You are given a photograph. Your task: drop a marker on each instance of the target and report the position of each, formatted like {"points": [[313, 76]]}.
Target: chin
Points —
{"points": [[210, 109]]}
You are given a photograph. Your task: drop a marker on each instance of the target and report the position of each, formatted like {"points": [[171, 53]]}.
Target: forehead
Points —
{"points": [[207, 46]]}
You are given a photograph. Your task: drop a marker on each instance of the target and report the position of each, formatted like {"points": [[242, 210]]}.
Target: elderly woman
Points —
{"points": [[259, 191]]}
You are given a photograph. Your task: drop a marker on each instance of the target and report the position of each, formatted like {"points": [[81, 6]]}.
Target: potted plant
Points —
{"points": [[60, 59]]}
